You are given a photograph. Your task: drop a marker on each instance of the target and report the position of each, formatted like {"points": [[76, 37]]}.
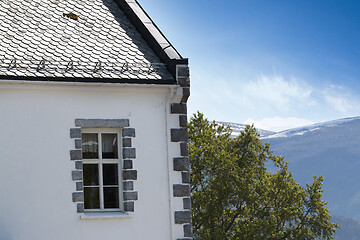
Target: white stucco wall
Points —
{"points": [[35, 168]]}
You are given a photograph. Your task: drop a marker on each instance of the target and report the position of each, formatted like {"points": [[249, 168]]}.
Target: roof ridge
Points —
{"points": [[152, 34]]}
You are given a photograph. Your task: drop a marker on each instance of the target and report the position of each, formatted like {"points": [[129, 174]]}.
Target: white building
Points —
{"points": [[93, 137]]}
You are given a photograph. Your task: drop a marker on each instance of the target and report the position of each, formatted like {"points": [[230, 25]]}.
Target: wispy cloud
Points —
{"points": [[272, 102], [341, 99], [278, 123], [277, 91]]}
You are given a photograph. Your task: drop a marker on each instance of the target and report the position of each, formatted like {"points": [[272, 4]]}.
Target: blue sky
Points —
{"points": [[278, 64]]}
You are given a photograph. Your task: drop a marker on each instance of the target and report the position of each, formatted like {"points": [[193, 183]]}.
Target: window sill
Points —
{"points": [[105, 215]]}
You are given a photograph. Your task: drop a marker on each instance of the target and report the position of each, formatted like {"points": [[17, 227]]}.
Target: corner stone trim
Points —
{"points": [[129, 154], [181, 165], [182, 217]]}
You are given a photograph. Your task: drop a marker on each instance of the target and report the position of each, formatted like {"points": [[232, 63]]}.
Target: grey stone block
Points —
{"points": [[128, 132], [130, 196], [186, 95], [76, 175], [78, 144], [182, 217], [128, 185], [184, 81], [184, 149], [80, 207], [183, 120], [130, 175], [75, 133], [187, 203], [187, 230], [181, 190], [118, 123], [185, 177], [178, 108], [75, 154], [78, 197], [129, 206], [79, 186], [179, 135], [129, 153], [184, 239], [181, 164], [183, 71], [126, 142], [128, 164], [78, 165]]}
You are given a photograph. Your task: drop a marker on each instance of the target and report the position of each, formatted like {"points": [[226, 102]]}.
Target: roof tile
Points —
{"points": [[36, 30]]}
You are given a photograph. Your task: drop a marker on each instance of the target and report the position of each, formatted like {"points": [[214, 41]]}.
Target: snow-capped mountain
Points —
{"points": [[331, 149], [311, 128], [238, 127]]}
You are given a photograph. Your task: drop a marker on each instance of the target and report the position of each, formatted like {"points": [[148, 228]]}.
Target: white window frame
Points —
{"points": [[100, 163]]}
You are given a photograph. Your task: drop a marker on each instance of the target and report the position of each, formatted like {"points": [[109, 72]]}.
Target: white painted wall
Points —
{"points": [[35, 168]]}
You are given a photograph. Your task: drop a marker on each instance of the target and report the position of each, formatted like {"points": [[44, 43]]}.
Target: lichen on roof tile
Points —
{"points": [[42, 30]]}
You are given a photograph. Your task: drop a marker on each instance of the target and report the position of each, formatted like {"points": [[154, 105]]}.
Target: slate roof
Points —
{"points": [[42, 39]]}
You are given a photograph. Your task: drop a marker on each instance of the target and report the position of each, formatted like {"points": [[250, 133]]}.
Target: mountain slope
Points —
{"points": [[237, 127], [349, 228], [331, 149]]}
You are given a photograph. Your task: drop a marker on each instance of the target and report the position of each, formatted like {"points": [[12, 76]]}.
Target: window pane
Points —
{"points": [[91, 198], [111, 197], [109, 145], [89, 146], [110, 174], [91, 174]]}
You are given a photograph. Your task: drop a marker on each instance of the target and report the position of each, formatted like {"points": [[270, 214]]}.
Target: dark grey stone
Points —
{"points": [[183, 120], [78, 197], [187, 203], [178, 108], [128, 185], [78, 165], [179, 135], [184, 239], [80, 207], [187, 230], [129, 206], [184, 81], [78, 144], [128, 164], [79, 186], [102, 123], [185, 177], [130, 175], [75, 154], [181, 164], [126, 142], [130, 196], [182, 217], [183, 71], [75, 133], [76, 175], [128, 132], [129, 153], [181, 190], [186, 95], [184, 149]]}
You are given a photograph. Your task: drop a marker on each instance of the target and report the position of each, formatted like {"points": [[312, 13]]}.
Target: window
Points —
{"points": [[102, 170]]}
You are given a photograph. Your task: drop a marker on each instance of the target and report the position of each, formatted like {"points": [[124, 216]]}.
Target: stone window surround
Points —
{"points": [[128, 155]]}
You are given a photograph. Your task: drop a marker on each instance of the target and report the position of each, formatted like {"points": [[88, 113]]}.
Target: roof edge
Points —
{"points": [[88, 80], [152, 34]]}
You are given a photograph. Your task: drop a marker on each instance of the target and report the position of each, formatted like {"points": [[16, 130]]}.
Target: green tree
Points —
{"points": [[234, 196]]}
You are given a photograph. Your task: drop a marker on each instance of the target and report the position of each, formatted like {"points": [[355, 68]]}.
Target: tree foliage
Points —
{"points": [[234, 196]]}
